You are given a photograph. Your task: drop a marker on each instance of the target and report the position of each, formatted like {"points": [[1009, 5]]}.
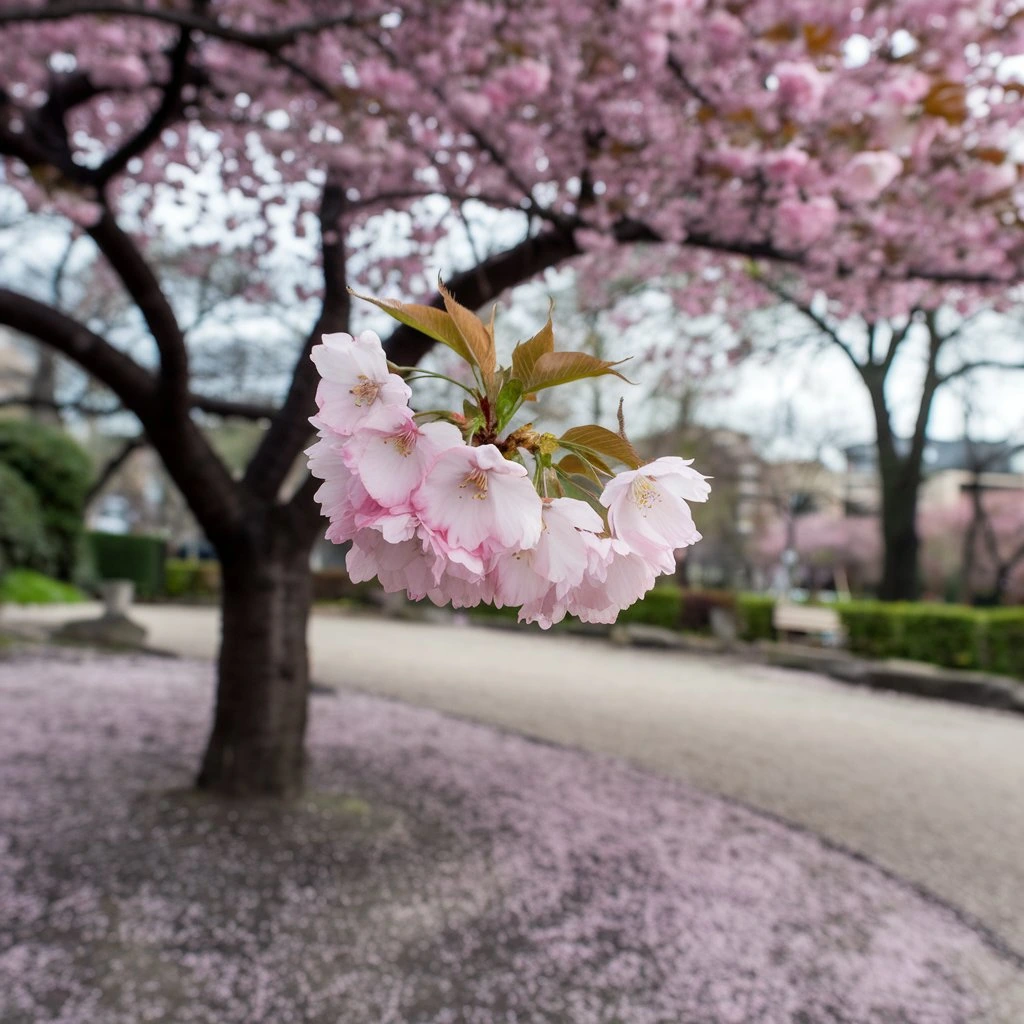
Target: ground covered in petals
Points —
{"points": [[439, 872]]}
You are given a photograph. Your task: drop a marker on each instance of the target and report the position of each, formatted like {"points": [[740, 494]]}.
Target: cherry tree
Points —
{"points": [[327, 144]]}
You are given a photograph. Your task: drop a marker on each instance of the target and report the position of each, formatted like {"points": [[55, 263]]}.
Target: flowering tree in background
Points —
{"points": [[859, 143], [948, 346], [833, 550]]}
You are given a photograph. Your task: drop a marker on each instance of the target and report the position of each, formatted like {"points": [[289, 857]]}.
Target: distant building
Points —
{"points": [[949, 467]]}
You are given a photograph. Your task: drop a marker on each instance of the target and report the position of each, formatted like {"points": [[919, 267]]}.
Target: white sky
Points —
{"points": [[819, 391]]}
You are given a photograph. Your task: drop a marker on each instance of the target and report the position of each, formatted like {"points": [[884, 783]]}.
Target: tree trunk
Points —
{"points": [[899, 478], [256, 747], [900, 543]]}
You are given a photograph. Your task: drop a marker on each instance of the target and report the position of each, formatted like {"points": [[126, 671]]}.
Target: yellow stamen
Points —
{"points": [[644, 494], [366, 391], [478, 478], [405, 442]]}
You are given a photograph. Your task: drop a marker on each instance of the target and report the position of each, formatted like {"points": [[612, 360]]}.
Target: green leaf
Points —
{"points": [[554, 368], [510, 397], [472, 426], [526, 353], [433, 322], [475, 334], [603, 441]]}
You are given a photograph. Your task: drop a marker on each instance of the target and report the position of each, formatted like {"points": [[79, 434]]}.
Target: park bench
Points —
{"points": [[791, 620]]}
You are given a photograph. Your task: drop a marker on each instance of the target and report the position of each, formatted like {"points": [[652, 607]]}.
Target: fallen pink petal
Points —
{"points": [[437, 871]]}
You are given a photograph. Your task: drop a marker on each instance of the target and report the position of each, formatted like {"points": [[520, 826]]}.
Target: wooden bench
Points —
{"points": [[790, 620]]}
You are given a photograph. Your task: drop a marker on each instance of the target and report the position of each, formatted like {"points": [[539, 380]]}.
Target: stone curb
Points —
{"points": [[910, 677]]}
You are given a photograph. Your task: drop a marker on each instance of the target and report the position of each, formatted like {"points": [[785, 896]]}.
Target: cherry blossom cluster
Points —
{"points": [[866, 143], [437, 505]]}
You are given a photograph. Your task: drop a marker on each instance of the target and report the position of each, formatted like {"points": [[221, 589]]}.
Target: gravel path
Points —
{"points": [[440, 872], [930, 791]]}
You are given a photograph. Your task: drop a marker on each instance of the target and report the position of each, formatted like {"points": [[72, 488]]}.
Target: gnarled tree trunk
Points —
{"points": [[256, 746]]}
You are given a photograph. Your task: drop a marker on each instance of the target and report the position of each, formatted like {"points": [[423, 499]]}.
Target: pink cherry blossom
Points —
{"points": [[624, 576], [988, 180], [355, 380], [391, 453], [556, 562], [127, 72], [801, 87], [785, 165], [869, 174], [647, 508], [800, 223], [476, 498], [905, 89], [401, 567]]}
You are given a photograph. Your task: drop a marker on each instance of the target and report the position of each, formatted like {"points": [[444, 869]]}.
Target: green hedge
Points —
{"points": [[117, 556], [1004, 641], [663, 606], [23, 540], [59, 472], [754, 615], [871, 628], [943, 635], [953, 636]]}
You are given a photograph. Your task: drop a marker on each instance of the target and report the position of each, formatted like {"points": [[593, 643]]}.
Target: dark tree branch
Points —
{"points": [[105, 475], [687, 83], [898, 337], [134, 386], [931, 384], [980, 364], [231, 408], [142, 285]]}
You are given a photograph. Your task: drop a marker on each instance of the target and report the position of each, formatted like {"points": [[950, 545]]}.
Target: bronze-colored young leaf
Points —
{"points": [[575, 465], [948, 100], [605, 442], [526, 353], [587, 455], [433, 322], [553, 368], [473, 331]]}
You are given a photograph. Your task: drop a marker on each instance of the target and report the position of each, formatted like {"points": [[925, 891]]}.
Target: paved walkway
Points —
{"points": [[934, 792]]}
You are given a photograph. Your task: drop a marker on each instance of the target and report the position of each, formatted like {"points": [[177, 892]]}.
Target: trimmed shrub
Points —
{"points": [[1004, 641], [116, 556], [754, 614], [59, 472], [24, 586], [189, 579], [23, 540], [945, 635], [872, 628], [660, 607]]}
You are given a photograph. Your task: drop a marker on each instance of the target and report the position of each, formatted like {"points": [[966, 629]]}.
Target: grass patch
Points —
{"points": [[25, 586]]}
